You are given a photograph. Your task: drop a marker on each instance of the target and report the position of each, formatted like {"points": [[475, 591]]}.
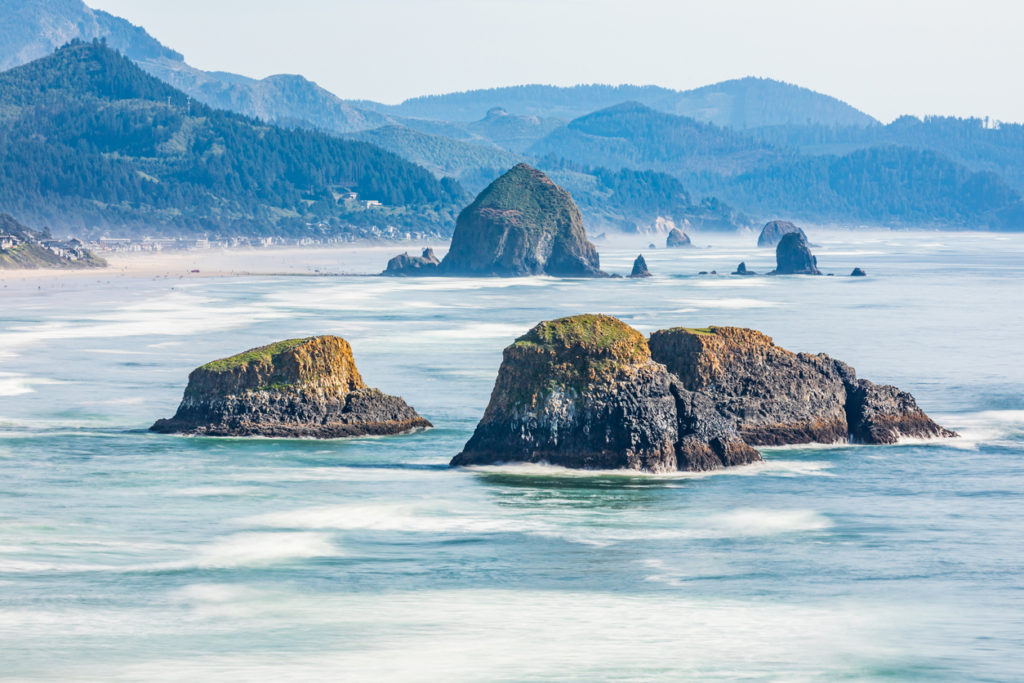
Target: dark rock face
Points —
{"points": [[677, 238], [774, 397], [522, 224], [741, 269], [793, 256], [583, 392], [404, 265], [295, 388], [773, 231], [640, 267], [883, 414], [857, 272]]}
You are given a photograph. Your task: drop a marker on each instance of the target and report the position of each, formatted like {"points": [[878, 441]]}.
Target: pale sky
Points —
{"points": [[886, 57]]}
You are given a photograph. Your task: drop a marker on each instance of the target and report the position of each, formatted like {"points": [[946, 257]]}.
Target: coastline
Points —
{"points": [[312, 261]]}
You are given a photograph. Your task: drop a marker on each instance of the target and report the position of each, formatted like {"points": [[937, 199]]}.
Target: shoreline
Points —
{"points": [[312, 261]]}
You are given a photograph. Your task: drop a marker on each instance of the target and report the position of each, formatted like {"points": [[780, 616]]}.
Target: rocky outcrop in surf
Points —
{"points": [[590, 392], [583, 392], [793, 256], [521, 224], [294, 388], [776, 397], [677, 239], [741, 269], [773, 231], [405, 265], [640, 267], [858, 272]]}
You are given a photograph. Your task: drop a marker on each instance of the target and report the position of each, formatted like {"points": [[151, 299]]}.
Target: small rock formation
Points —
{"points": [[404, 265], [522, 224], [652, 245], [583, 392], [741, 269], [640, 267], [772, 232], [677, 238], [775, 397], [295, 388], [857, 272], [794, 257]]}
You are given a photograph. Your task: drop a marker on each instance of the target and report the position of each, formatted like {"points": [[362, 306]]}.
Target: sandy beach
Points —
{"points": [[360, 259]]}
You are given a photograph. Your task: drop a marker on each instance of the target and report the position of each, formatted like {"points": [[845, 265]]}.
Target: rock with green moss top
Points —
{"points": [[775, 397], [583, 392], [294, 388], [522, 224]]}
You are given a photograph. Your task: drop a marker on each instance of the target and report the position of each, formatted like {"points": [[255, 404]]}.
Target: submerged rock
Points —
{"points": [[583, 392], [522, 224], [773, 231], [640, 267], [793, 256], [677, 238], [776, 397], [295, 388], [857, 272], [404, 265], [741, 269]]}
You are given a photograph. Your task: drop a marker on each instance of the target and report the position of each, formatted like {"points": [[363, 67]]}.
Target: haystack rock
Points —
{"points": [[522, 224], [677, 238], [295, 388], [794, 257], [404, 265], [583, 392], [640, 267], [773, 231], [772, 396]]}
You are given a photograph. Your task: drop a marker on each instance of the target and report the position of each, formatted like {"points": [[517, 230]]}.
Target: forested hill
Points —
{"points": [[91, 143]]}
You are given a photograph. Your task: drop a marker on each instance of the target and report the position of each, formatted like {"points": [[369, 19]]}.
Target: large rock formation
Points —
{"points": [[775, 397], [404, 265], [583, 392], [677, 238], [522, 224], [295, 388], [773, 231], [794, 257]]}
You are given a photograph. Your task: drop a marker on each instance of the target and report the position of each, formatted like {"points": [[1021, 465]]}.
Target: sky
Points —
{"points": [[886, 58]]}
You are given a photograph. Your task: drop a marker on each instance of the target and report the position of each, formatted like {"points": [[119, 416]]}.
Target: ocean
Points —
{"points": [[127, 555]]}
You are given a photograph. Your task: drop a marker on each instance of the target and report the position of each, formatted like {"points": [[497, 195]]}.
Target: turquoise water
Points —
{"points": [[129, 555]]}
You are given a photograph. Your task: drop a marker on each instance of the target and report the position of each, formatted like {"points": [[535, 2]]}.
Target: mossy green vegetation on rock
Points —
{"points": [[297, 387]]}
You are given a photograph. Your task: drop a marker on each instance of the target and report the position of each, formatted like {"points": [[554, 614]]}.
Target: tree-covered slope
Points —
{"points": [[632, 135], [89, 140]]}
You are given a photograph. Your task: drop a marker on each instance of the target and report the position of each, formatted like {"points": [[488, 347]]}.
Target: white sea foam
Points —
{"points": [[247, 549], [737, 303], [15, 385]]}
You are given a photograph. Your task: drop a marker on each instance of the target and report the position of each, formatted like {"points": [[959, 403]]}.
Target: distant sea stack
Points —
{"points": [[772, 232], [793, 256], [775, 397], [521, 224], [741, 269], [294, 388], [858, 272], [583, 392], [640, 267], [404, 265], [677, 239]]}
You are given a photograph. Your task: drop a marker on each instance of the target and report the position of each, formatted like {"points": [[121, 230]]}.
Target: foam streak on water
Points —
{"points": [[126, 555]]}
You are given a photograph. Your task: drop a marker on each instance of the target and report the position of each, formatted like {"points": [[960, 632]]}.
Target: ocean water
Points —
{"points": [[126, 555]]}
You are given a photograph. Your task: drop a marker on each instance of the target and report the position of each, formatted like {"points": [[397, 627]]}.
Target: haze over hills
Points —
{"points": [[91, 142]]}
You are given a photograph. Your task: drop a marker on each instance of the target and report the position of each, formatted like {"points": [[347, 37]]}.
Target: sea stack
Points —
{"points": [[522, 224], [404, 265], [773, 231], [640, 267], [775, 397], [858, 272], [295, 388], [794, 257], [741, 269], [677, 238], [583, 392]]}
